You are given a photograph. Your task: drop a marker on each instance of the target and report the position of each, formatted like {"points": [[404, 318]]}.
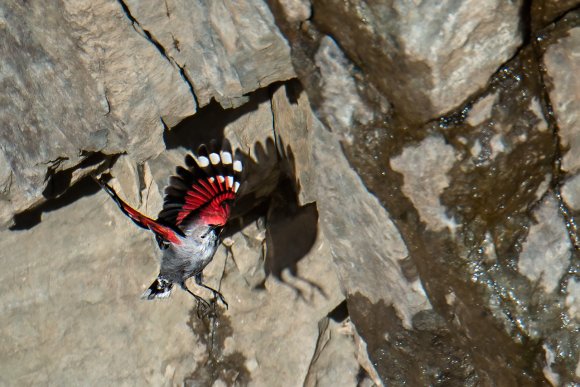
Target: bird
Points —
{"points": [[197, 205]]}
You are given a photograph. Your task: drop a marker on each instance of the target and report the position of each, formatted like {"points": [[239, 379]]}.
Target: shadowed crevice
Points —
{"points": [[60, 181], [153, 40], [209, 123], [340, 313], [28, 219], [60, 193]]}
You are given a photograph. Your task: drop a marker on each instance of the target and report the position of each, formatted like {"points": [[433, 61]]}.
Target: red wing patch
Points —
{"points": [[211, 198], [206, 188], [164, 232]]}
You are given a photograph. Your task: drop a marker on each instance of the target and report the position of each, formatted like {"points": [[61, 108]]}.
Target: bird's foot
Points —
{"points": [[216, 294]]}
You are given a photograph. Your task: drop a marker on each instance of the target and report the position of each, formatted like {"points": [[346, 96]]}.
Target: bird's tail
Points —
{"points": [[160, 288]]}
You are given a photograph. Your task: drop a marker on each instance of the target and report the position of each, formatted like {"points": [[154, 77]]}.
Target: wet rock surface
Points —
{"points": [[471, 192], [409, 216]]}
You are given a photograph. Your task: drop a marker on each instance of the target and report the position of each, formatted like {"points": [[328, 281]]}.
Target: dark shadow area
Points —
{"points": [[30, 218], [59, 182], [361, 376], [340, 313], [526, 22], [293, 90], [290, 234], [208, 123], [271, 191], [59, 193], [231, 368], [260, 178]]}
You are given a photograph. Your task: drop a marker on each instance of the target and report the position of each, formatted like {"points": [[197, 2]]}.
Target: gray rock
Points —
{"points": [[460, 190], [293, 121], [341, 103], [71, 312], [425, 171], [334, 362], [297, 10], [562, 64], [71, 91], [272, 329], [425, 58], [448, 244], [369, 263], [225, 49], [547, 251]]}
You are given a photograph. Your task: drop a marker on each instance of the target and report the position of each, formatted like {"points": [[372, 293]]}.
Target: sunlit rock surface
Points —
{"points": [[78, 82], [409, 216], [224, 49], [424, 56]]}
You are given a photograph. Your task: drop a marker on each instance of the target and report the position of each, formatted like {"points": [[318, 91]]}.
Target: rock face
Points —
{"points": [[425, 57], [409, 216], [482, 197]]}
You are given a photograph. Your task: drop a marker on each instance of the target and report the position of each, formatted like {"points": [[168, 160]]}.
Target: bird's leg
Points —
{"points": [[216, 294], [201, 303]]}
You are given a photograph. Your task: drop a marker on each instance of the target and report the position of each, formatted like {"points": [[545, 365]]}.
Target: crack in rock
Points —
{"points": [[149, 36]]}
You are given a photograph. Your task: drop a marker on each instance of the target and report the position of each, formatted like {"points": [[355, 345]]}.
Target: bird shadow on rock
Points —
{"points": [[270, 190], [59, 192], [291, 228]]}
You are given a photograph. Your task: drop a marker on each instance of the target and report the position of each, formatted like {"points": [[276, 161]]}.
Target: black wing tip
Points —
{"points": [[99, 180], [104, 185], [159, 289]]}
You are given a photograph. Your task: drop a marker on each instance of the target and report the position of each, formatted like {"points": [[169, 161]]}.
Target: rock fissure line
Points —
{"points": [[149, 36], [189, 82], [557, 173]]}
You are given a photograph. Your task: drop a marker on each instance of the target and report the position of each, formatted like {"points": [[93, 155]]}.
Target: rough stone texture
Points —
{"points": [[119, 81], [376, 241], [269, 332], [71, 90], [297, 10], [465, 191], [332, 365], [562, 61], [225, 48], [341, 105], [369, 262], [546, 252], [571, 192], [426, 57], [71, 313], [425, 171]]}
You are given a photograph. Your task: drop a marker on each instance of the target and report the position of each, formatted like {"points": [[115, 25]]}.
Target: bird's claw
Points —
{"points": [[218, 296]]}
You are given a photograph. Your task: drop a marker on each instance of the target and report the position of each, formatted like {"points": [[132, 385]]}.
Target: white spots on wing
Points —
{"points": [[237, 166], [214, 158], [202, 161], [211, 179], [226, 157], [220, 178], [230, 182], [236, 186]]}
